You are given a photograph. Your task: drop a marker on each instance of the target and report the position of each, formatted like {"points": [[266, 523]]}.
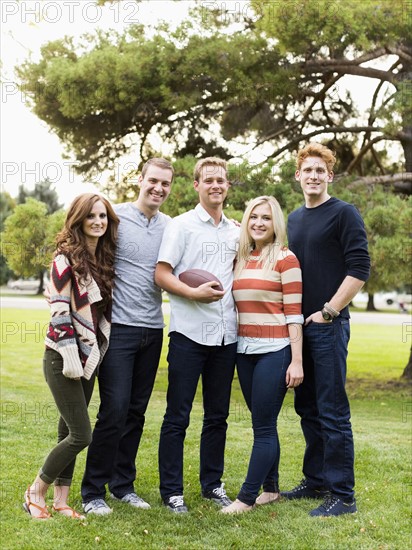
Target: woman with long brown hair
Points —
{"points": [[80, 294]]}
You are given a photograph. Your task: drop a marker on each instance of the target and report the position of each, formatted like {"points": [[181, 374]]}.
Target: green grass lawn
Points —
{"points": [[381, 415]]}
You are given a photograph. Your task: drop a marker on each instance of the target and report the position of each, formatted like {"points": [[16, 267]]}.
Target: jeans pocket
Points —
{"points": [[52, 363]]}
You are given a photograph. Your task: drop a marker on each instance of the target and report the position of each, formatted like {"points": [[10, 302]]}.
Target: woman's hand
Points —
{"points": [[294, 374], [72, 369]]}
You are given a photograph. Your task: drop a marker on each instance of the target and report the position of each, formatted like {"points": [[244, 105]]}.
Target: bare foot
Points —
{"points": [[267, 498], [65, 510], [35, 505], [237, 507]]}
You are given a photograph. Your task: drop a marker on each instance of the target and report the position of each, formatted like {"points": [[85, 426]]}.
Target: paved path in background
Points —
{"points": [[21, 302], [364, 318], [369, 318]]}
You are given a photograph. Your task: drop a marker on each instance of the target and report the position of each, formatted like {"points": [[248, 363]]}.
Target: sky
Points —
{"points": [[30, 152]]}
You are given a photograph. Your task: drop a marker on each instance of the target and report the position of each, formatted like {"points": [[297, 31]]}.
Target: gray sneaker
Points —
{"points": [[133, 500], [96, 506]]}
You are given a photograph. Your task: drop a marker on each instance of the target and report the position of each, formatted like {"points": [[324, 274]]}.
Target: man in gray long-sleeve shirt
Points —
{"points": [[128, 371]]}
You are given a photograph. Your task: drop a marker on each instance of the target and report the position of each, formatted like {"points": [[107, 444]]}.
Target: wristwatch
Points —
{"points": [[326, 315]]}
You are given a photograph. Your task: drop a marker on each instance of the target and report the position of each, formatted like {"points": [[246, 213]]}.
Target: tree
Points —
{"points": [[388, 219], [272, 75], [27, 238], [43, 192], [7, 204], [324, 41], [407, 373]]}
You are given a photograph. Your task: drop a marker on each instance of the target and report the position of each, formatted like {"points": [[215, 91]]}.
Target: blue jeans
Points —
{"points": [[188, 361], [126, 378], [262, 378], [323, 406]]}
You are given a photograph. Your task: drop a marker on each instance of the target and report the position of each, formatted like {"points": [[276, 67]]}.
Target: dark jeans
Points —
{"points": [[72, 398], [323, 406], [188, 361], [262, 379], [126, 379]]}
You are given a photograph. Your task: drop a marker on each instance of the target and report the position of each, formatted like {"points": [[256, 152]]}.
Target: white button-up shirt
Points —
{"points": [[193, 241]]}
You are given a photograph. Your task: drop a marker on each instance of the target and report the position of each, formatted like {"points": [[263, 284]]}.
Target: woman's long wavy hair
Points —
{"points": [[271, 252], [71, 241]]}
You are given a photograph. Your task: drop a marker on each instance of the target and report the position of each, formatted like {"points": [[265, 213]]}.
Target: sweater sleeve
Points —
{"points": [[354, 243], [291, 280], [61, 334]]}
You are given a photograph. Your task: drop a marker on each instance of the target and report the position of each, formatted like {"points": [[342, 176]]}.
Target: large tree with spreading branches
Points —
{"points": [[261, 79]]}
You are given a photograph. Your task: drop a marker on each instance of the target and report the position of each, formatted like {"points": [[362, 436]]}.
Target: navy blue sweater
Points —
{"points": [[330, 243]]}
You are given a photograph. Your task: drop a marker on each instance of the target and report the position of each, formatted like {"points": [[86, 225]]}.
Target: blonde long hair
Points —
{"points": [[271, 252]]}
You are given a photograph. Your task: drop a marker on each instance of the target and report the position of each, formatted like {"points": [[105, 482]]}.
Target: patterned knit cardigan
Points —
{"points": [[73, 327]]}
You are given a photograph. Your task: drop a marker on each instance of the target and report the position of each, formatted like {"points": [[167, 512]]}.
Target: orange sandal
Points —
{"points": [[44, 512], [73, 515]]}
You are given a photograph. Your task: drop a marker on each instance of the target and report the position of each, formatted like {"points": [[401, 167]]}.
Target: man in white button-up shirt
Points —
{"points": [[203, 334]]}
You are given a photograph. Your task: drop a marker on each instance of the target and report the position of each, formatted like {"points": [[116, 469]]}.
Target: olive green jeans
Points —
{"points": [[72, 398]]}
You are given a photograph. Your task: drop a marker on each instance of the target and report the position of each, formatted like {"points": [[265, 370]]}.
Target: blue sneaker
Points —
{"points": [[303, 491], [334, 506]]}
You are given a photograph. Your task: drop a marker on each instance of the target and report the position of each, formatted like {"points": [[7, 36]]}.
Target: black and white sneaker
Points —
{"points": [[176, 504], [219, 496]]}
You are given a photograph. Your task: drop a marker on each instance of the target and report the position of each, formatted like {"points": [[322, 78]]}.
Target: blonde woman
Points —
{"points": [[267, 290]]}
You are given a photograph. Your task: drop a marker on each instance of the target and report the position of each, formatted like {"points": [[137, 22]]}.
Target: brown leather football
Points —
{"points": [[197, 277]]}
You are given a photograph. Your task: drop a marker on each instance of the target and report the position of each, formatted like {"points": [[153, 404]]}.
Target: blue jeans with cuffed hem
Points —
{"points": [[262, 378], [126, 379], [323, 406], [188, 361]]}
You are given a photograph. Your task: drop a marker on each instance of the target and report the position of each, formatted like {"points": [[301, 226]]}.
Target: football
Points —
{"points": [[197, 277]]}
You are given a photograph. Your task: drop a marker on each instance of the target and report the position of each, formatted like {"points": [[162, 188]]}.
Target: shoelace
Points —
{"points": [[177, 500], [132, 497], [330, 503], [302, 485], [220, 491], [99, 503]]}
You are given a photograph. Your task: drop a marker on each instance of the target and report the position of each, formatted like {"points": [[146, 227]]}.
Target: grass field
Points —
{"points": [[381, 416]]}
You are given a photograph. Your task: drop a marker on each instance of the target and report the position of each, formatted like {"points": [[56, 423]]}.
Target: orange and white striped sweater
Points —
{"points": [[267, 303]]}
